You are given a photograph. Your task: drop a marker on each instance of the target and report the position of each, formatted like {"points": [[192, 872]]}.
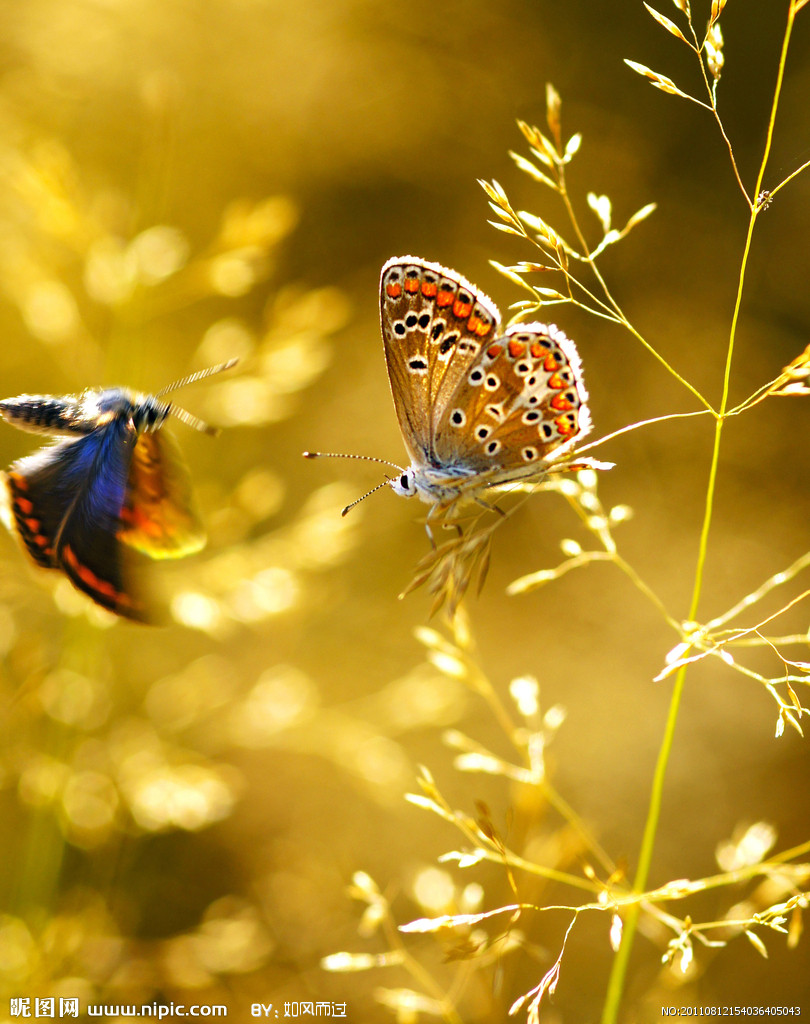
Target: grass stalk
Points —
{"points": [[620, 964]]}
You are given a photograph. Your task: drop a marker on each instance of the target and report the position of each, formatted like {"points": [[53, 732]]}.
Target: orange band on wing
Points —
{"points": [[93, 582]]}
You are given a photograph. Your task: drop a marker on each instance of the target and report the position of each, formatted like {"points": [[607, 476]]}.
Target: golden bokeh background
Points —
{"points": [[184, 807]]}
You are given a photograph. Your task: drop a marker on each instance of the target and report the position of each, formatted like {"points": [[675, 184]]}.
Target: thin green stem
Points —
{"points": [[620, 964], [611, 302], [790, 177]]}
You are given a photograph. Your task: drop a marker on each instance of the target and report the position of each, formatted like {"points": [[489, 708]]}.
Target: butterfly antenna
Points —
{"points": [[186, 417], [364, 458], [199, 375], [194, 421], [364, 496]]}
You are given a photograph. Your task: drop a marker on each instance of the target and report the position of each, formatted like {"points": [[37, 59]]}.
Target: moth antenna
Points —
{"points": [[364, 458], [364, 496], [193, 377], [194, 421]]}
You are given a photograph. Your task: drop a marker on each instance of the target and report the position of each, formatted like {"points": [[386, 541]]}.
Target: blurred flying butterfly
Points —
{"points": [[112, 483], [477, 407]]}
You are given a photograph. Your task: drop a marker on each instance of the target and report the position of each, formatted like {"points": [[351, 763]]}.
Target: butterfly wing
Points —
{"points": [[519, 406], [434, 326], [159, 518], [66, 501]]}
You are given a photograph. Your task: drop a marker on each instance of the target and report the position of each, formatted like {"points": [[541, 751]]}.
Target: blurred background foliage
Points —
{"points": [[183, 808]]}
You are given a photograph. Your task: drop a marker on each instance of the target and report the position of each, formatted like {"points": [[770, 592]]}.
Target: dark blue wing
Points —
{"points": [[67, 502]]}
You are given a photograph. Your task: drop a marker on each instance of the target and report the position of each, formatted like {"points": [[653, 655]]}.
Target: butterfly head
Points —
{"points": [[149, 414], [404, 484]]}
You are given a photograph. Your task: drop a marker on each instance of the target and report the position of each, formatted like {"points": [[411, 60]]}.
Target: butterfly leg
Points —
{"points": [[442, 509], [490, 508]]}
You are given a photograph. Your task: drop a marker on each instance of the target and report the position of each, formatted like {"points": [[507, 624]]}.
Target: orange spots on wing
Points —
{"points": [[446, 297], [565, 426], [393, 289], [475, 325], [536, 349], [561, 404], [516, 348], [23, 505], [494, 351], [34, 525], [550, 364], [557, 382], [139, 519], [412, 285], [462, 309], [19, 481], [429, 289]]}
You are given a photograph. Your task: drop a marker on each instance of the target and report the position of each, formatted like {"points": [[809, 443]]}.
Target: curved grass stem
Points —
{"points": [[620, 963]]}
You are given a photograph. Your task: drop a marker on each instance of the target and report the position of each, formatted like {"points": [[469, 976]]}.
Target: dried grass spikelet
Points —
{"points": [[450, 568], [795, 377]]}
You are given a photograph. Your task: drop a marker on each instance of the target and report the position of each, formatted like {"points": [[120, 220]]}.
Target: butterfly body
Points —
{"points": [[83, 414], [112, 483], [478, 407]]}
